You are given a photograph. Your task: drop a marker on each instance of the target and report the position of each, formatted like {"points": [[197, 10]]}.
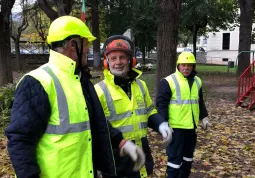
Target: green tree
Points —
{"points": [[119, 15], [115, 19], [214, 14], [138, 15], [184, 36], [64, 7], [144, 25], [102, 17]]}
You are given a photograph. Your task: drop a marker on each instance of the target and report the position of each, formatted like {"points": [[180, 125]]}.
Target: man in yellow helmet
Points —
{"points": [[180, 102], [127, 104], [58, 128]]}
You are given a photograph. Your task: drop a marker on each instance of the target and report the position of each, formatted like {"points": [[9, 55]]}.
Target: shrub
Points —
{"points": [[6, 100]]}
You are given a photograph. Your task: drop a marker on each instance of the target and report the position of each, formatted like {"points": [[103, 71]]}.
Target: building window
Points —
{"points": [[253, 36], [225, 40], [225, 59]]}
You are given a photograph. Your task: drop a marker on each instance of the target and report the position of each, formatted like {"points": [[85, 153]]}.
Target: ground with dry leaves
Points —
{"points": [[227, 149]]}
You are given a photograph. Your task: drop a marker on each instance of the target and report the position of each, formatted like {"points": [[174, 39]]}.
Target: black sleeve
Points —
{"points": [[116, 136], [163, 98], [155, 120], [203, 111], [29, 118], [97, 117]]}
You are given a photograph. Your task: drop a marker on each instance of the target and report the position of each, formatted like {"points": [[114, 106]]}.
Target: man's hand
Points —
{"points": [[166, 133], [205, 123], [135, 153]]}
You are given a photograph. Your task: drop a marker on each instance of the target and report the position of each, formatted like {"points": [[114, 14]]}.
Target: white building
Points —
{"points": [[223, 46]]}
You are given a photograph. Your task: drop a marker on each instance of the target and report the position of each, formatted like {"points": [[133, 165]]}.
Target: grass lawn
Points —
{"points": [[202, 69], [150, 81], [214, 68], [208, 68]]}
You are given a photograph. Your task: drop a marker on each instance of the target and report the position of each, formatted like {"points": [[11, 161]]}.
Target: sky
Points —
{"points": [[16, 7]]}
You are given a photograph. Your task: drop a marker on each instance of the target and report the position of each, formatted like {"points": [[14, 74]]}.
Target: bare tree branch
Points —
{"points": [[44, 5], [64, 7], [37, 20]]}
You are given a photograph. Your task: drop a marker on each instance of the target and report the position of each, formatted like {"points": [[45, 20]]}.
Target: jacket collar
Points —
{"points": [[110, 77], [62, 62], [192, 75]]}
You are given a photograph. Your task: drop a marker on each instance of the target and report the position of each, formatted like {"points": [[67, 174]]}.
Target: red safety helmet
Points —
{"points": [[119, 45]]}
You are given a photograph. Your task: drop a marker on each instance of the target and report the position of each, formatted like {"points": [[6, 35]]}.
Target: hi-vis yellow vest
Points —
{"points": [[184, 103], [129, 116], [65, 149]]}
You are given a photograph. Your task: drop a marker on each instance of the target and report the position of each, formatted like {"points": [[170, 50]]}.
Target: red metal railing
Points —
{"points": [[246, 85], [252, 95]]}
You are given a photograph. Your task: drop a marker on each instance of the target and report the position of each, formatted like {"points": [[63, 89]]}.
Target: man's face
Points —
{"points": [[84, 52], [118, 63], [185, 69], [71, 51]]}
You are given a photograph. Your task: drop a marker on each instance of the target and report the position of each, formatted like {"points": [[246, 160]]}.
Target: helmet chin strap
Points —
{"points": [[83, 69], [79, 54]]}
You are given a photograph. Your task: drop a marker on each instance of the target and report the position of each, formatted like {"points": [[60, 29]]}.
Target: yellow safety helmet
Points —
{"points": [[66, 26], [186, 58]]}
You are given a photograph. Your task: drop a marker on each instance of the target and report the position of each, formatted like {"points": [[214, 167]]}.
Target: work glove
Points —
{"points": [[205, 123], [166, 133], [135, 153]]}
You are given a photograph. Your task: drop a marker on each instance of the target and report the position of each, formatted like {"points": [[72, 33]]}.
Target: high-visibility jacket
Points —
{"points": [[130, 116], [65, 149], [183, 108]]}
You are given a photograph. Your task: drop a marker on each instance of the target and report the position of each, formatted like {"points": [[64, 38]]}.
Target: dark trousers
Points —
{"points": [[180, 153], [124, 165], [124, 169], [135, 176]]}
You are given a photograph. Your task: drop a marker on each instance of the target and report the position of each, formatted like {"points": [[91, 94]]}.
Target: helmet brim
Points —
{"points": [[129, 52]]}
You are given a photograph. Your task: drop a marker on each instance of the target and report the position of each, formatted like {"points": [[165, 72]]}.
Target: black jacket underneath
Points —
{"points": [[125, 83], [164, 95], [29, 118], [124, 164]]}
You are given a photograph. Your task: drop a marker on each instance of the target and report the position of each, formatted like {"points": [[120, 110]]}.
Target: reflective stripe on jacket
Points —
{"points": [[65, 149], [184, 103], [130, 116]]}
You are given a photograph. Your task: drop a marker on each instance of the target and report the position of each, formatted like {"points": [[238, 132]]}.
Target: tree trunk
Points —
{"points": [[143, 55], [195, 31], [185, 42], [167, 35], [5, 48], [64, 7], [44, 5], [246, 7], [16, 39], [95, 32], [17, 55]]}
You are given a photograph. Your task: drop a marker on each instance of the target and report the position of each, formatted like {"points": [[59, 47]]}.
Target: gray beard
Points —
{"points": [[122, 74]]}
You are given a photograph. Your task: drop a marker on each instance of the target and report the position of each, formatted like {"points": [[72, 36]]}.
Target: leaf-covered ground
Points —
{"points": [[226, 150], [6, 170]]}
